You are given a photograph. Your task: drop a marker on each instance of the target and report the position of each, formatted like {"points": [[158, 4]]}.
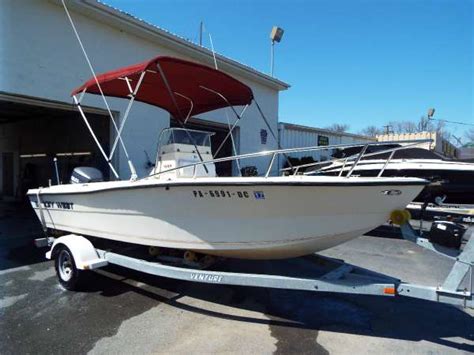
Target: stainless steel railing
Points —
{"points": [[347, 160], [296, 169]]}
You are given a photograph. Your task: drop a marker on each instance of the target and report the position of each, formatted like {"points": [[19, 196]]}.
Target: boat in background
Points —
{"points": [[451, 181], [183, 205]]}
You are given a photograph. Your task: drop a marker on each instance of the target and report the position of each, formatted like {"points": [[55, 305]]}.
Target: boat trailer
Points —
{"points": [[461, 213], [341, 278]]}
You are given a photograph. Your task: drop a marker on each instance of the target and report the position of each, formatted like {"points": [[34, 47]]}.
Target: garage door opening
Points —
{"points": [[221, 131], [31, 136]]}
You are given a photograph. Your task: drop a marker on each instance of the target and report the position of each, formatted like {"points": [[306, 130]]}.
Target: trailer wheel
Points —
{"points": [[69, 276]]}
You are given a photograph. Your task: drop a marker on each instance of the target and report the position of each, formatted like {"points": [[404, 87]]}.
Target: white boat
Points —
{"points": [[451, 180], [253, 217], [183, 205]]}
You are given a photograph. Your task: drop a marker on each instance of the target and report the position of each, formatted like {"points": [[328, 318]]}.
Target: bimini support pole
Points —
{"points": [[233, 110], [191, 104], [81, 111], [130, 164], [272, 133], [180, 118], [133, 94], [231, 129], [228, 124], [237, 161], [222, 97]]}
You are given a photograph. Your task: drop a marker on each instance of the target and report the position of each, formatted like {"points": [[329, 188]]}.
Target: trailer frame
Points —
{"points": [[340, 277]]}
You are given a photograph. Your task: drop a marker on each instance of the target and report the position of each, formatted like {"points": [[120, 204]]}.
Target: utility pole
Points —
{"points": [[201, 25], [388, 129]]}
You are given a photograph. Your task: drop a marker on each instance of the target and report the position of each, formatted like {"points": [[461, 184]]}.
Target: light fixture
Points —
{"points": [[431, 112], [275, 36]]}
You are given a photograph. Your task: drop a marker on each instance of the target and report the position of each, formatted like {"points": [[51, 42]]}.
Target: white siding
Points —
{"points": [[292, 136], [40, 57]]}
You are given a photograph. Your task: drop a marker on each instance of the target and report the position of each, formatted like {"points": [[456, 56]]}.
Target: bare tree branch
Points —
{"points": [[423, 125], [371, 131], [338, 127]]}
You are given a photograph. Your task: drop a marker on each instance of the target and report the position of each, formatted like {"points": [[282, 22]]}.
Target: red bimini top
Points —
{"points": [[184, 79]]}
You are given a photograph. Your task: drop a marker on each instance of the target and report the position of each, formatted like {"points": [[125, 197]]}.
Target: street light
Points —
{"points": [[275, 35], [431, 112]]}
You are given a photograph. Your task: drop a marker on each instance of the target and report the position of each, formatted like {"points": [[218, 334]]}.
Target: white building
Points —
{"points": [[294, 136], [41, 62], [438, 144]]}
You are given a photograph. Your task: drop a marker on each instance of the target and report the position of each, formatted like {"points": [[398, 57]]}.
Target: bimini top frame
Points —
{"points": [[182, 88], [176, 85], [195, 88]]}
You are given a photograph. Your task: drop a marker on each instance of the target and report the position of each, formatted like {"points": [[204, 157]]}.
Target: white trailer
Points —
{"points": [[75, 255]]}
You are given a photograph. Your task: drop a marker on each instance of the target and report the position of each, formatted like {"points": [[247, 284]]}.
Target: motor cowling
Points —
{"points": [[85, 174]]}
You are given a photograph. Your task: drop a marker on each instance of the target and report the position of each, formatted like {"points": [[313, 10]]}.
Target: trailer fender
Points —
{"points": [[83, 252]]}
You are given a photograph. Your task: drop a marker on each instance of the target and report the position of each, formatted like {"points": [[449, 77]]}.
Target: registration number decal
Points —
{"points": [[258, 195]]}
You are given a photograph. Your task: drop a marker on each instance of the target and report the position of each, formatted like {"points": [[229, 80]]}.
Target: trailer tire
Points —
{"points": [[69, 276]]}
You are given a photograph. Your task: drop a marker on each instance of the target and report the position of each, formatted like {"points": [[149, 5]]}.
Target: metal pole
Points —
{"points": [[56, 169], [233, 110], [41, 213], [386, 163], [180, 118], [359, 157], [267, 174], [343, 166], [78, 105], [99, 87], [213, 52], [233, 143], [226, 137], [272, 53], [200, 33], [271, 132], [133, 94], [191, 104]]}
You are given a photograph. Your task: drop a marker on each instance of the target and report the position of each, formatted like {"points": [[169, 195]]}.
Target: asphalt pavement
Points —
{"points": [[124, 312]]}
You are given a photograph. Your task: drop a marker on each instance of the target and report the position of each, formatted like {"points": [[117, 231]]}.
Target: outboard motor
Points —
{"points": [[85, 174]]}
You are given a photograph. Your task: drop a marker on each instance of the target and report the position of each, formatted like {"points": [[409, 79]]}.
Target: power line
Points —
{"points": [[454, 122]]}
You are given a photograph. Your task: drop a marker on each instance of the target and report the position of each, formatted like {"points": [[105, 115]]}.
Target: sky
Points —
{"points": [[355, 62]]}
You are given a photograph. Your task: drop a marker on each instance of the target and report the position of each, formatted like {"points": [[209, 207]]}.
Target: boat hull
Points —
{"points": [[257, 219], [449, 178]]}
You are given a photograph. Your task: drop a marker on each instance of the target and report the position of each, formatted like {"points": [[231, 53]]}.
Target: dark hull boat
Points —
{"points": [[450, 180]]}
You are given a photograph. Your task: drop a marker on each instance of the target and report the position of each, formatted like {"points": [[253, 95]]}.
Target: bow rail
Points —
{"points": [[275, 153]]}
